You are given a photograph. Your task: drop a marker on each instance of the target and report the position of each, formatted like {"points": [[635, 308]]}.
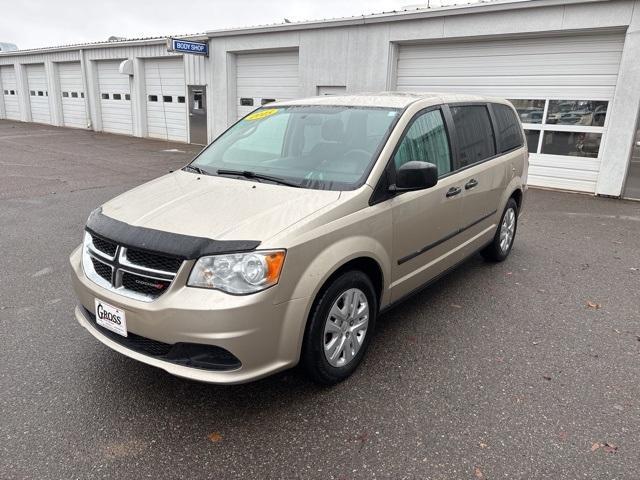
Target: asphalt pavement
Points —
{"points": [[528, 369]]}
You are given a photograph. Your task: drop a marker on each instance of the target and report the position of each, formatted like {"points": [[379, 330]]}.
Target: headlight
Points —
{"points": [[238, 273]]}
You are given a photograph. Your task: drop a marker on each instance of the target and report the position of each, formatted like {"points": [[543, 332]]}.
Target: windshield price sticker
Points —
{"points": [[262, 114]]}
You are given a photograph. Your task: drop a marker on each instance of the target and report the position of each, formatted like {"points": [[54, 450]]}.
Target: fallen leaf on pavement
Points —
{"points": [[478, 473], [482, 445], [455, 305], [593, 305], [595, 446], [546, 377], [609, 447], [214, 437]]}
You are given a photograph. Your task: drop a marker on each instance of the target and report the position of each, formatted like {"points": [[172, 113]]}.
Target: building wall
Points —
{"points": [[360, 54]]}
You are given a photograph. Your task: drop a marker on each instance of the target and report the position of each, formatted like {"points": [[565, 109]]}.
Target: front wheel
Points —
{"points": [[502, 242], [340, 328]]}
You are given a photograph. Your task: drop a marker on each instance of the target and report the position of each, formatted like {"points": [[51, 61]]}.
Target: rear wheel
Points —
{"points": [[502, 242], [340, 328]]}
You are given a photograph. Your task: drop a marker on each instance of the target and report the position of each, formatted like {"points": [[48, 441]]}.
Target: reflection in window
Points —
{"points": [[426, 141], [577, 112], [574, 144], [530, 111], [533, 137]]}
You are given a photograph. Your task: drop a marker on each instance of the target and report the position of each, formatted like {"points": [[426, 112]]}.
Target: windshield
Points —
{"points": [[321, 147]]}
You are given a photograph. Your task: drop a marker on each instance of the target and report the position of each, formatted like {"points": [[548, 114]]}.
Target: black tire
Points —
{"points": [[313, 358], [493, 252]]}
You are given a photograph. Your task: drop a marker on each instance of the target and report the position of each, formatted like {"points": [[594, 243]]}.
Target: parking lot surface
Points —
{"points": [[520, 370]]}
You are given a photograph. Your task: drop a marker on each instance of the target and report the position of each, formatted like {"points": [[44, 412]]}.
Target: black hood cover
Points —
{"points": [[168, 243]]}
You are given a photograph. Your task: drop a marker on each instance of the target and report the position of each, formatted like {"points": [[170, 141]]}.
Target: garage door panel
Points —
{"points": [[117, 116], [271, 75], [166, 120], [10, 85], [519, 46], [578, 67], [73, 109], [39, 104]]}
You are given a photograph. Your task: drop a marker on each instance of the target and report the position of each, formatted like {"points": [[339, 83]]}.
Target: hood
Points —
{"points": [[218, 208]]}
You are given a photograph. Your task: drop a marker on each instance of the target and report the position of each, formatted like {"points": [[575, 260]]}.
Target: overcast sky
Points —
{"points": [[41, 23]]}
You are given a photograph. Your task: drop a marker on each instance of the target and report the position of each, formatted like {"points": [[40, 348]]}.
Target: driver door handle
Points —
{"points": [[471, 184], [453, 191]]}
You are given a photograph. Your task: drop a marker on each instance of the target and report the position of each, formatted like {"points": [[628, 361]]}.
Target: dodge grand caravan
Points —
{"points": [[286, 237]]}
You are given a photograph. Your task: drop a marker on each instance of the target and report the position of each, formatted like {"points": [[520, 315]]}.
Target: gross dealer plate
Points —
{"points": [[111, 318]]}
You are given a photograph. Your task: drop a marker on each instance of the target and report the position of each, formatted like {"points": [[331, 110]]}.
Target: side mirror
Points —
{"points": [[415, 175]]}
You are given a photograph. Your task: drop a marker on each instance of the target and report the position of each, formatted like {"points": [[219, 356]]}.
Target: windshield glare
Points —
{"points": [[322, 147]]}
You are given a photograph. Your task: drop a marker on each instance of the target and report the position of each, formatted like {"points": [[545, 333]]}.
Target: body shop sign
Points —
{"points": [[186, 46]]}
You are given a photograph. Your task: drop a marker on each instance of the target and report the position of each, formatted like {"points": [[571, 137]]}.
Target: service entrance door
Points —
{"points": [[198, 114]]}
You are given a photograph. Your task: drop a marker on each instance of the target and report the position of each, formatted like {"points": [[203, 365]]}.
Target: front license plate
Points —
{"points": [[111, 318]]}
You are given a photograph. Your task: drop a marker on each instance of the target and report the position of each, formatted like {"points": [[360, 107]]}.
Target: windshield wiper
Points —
{"points": [[259, 176], [191, 168]]}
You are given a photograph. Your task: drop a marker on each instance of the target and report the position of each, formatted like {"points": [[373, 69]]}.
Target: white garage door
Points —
{"points": [[265, 77], [72, 94], [115, 99], [38, 93], [10, 92], [561, 85], [166, 106]]}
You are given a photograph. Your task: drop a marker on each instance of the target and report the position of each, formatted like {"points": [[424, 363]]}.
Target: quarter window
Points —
{"points": [[105, 96], [6, 92], [426, 141], [167, 98], [475, 134], [508, 127], [117, 96], [153, 98], [65, 94], [74, 94]]}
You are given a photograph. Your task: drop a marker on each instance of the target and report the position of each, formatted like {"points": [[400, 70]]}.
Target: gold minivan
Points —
{"points": [[288, 235]]}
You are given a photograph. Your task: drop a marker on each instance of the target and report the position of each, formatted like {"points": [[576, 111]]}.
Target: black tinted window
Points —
{"points": [[508, 127], [475, 134]]}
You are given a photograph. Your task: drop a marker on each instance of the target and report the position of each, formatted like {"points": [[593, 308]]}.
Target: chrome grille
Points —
{"points": [[133, 273]]}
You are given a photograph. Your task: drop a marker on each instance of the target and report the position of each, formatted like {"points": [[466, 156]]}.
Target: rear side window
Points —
{"points": [[426, 141], [475, 134], [508, 128]]}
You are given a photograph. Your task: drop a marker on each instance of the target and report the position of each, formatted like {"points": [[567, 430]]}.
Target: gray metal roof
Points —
{"points": [[471, 6]]}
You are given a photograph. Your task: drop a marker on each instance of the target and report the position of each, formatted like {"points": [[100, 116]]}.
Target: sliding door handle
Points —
{"points": [[453, 191], [471, 184]]}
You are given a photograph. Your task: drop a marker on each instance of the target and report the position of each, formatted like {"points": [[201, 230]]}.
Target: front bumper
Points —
{"points": [[263, 335]]}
